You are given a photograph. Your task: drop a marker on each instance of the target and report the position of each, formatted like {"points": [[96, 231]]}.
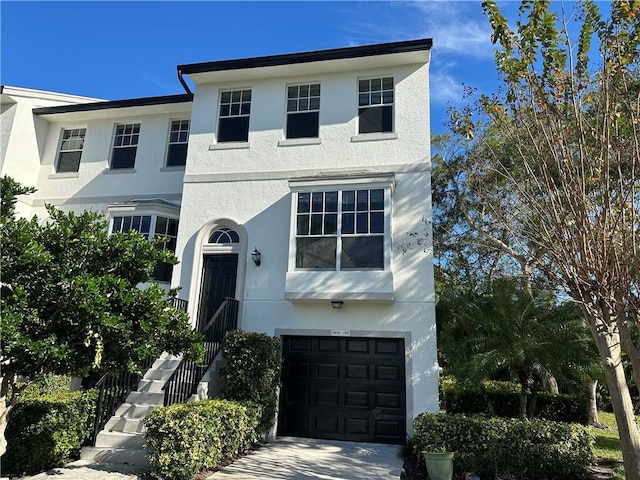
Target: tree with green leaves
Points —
{"points": [[498, 328], [77, 300], [552, 170]]}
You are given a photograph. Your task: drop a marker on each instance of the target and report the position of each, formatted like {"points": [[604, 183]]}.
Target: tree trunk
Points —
{"points": [[590, 389], [4, 412], [608, 343], [523, 400]]}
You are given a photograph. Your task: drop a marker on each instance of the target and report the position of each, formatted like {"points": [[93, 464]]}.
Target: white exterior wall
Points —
{"points": [[24, 135], [95, 183], [250, 187], [94, 186]]}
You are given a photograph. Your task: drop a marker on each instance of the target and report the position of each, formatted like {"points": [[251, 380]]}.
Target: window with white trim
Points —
{"points": [[303, 111], [341, 230], [70, 151], [125, 145], [233, 119], [178, 141], [375, 105], [163, 227]]}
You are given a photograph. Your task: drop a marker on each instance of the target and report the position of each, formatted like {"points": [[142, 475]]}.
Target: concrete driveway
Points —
{"points": [[306, 459]]}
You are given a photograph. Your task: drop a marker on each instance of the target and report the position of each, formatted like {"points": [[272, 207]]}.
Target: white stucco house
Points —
{"points": [[318, 161]]}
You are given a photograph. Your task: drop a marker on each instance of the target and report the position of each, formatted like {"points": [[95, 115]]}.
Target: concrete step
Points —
{"points": [[125, 424], [119, 440], [151, 386], [146, 398], [134, 410], [134, 456], [162, 374], [166, 363]]}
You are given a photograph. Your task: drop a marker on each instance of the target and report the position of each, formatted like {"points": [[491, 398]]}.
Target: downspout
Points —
{"points": [[184, 84]]}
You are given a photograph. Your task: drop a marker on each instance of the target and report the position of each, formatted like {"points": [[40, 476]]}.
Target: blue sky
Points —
{"points": [[115, 50]]}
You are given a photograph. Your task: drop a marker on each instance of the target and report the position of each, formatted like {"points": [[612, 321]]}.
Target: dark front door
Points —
{"points": [[219, 281], [343, 388]]}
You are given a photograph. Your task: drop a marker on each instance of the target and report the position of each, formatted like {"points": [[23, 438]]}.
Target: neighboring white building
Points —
{"points": [[321, 162]]}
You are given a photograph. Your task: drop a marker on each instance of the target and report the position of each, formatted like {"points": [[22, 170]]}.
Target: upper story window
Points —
{"points": [[303, 111], [178, 141], [70, 150], [145, 225], [125, 145], [341, 230], [233, 121], [375, 105]]}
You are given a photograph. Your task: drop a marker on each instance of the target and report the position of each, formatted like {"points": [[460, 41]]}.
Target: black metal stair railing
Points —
{"points": [[184, 381], [113, 389]]}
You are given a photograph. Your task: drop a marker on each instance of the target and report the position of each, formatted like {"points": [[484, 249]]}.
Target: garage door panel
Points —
{"points": [[356, 399], [343, 388], [358, 346], [357, 372], [328, 371], [326, 345], [387, 347], [330, 397], [300, 344]]}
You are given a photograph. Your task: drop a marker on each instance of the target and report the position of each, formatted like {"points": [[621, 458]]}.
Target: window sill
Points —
{"points": [[372, 285], [64, 175], [115, 171], [173, 168], [292, 142], [229, 146], [373, 137]]}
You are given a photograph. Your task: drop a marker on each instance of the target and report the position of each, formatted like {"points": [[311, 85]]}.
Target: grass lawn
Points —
{"points": [[607, 446]]}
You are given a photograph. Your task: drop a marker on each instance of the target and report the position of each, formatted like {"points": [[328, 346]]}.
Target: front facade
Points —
{"points": [[319, 162]]}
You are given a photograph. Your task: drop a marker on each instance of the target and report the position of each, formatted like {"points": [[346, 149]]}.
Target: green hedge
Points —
{"points": [[185, 438], [44, 432], [505, 398], [507, 448], [252, 372]]}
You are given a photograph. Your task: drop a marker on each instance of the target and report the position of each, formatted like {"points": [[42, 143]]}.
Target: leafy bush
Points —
{"points": [[48, 384], [186, 438], [44, 432], [252, 372], [498, 447], [505, 399]]}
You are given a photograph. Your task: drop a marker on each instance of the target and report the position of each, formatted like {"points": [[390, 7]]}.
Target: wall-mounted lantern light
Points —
{"points": [[255, 255], [337, 303]]}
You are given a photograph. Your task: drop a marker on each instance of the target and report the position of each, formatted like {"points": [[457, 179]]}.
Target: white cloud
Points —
{"points": [[445, 88]]}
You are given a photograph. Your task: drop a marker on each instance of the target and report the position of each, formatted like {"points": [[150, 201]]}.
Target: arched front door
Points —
{"points": [[219, 272], [218, 282]]}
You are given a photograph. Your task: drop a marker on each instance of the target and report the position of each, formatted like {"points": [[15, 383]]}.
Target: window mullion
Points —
{"points": [[339, 233]]}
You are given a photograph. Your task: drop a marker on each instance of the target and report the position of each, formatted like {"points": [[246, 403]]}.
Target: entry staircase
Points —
{"points": [[125, 400]]}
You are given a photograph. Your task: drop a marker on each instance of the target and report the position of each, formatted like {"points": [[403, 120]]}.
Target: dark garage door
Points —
{"points": [[343, 388]]}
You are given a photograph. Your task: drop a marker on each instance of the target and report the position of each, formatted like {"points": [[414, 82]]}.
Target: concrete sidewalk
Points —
{"points": [[307, 459], [87, 470], [286, 458]]}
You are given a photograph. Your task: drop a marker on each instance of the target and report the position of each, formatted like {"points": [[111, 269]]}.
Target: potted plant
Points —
{"points": [[439, 463]]}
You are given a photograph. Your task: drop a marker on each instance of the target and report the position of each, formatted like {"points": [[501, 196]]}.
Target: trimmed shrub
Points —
{"points": [[44, 432], [505, 398], [185, 438], [252, 372], [508, 448]]}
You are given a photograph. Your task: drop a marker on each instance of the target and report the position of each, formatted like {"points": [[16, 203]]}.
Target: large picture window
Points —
{"points": [[145, 225], [375, 105], [340, 230], [233, 121], [71, 150]]}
